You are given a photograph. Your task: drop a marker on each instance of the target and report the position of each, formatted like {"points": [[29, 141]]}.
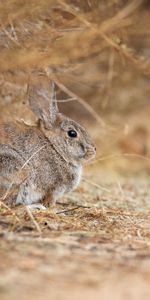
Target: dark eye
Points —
{"points": [[72, 133]]}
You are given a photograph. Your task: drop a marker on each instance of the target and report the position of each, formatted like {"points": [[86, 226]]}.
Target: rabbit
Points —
{"points": [[44, 161]]}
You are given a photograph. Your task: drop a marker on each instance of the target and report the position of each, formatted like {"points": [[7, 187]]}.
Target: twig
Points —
{"points": [[67, 100], [9, 209], [7, 192], [72, 209], [128, 155], [27, 161], [111, 23], [11, 37], [123, 198], [33, 219], [96, 185], [79, 99]]}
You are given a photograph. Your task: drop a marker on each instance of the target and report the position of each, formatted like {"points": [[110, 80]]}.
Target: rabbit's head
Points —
{"points": [[68, 138]]}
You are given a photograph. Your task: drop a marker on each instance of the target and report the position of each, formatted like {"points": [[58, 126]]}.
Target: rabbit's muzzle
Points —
{"points": [[90, 152]]}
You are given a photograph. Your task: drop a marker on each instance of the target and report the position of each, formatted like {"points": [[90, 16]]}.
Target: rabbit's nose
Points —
{"points": [[93, 147]]}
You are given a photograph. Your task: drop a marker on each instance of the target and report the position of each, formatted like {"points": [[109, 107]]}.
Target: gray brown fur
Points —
{"points": [[42, 160]]}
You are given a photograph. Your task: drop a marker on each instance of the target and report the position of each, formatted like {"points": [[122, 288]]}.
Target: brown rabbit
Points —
{"points": [[44, 161]]}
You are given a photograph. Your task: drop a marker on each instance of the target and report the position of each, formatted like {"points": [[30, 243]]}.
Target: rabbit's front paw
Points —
{"points": [[37, 206]]}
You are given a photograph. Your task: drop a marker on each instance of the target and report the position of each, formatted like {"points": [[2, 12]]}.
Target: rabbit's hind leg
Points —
{"points": [[28, 195]]}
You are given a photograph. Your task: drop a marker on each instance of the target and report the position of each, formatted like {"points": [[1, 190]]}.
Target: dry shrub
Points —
{"points": [[98, 53]]}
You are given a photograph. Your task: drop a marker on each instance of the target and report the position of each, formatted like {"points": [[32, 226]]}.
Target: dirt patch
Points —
{"points": [[99, 250]]}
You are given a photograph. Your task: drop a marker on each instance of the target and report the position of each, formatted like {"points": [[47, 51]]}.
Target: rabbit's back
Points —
{"points": [[19, 137], [17, 143]]}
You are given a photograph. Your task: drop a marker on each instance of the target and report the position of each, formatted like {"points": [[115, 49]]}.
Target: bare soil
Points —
{"points": [[96, 246]]}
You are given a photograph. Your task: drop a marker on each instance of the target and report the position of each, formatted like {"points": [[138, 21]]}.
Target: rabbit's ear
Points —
{"points": [[43, 103], [53, 108]]}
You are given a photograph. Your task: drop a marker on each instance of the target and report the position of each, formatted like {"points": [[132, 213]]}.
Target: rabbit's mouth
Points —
{"points": [[90, 153]]}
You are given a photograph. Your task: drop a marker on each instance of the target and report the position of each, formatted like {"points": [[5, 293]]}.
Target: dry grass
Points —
{"points": [[99, 241], [96, 237]]}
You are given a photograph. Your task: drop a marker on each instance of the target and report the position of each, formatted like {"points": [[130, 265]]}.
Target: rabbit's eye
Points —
{"points": [[72, 133]]}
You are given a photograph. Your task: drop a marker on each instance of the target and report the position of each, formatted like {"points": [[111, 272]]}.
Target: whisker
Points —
{"points": [[115, 156]]}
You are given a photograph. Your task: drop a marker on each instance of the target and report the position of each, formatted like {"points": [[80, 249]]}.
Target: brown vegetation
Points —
{"points": [[98, 53]]}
